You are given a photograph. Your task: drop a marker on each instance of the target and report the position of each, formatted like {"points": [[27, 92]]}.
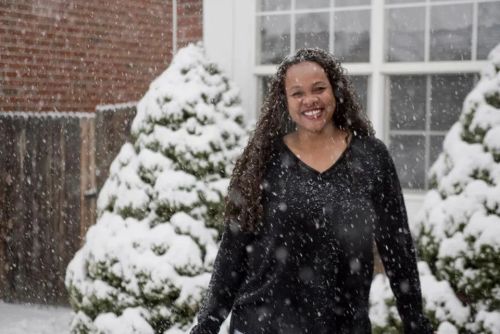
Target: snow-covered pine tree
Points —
{"points": [[458, 229], [147, 261]]}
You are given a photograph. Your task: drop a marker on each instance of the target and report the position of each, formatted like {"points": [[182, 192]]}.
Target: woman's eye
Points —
{"points": [[297, 94], [319, 89]]}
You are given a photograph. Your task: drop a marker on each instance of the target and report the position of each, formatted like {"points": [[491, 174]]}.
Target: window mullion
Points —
{"points": [[433, 67], [475, 28], [427, 137], [331, 39], [292, 28], [427, 31], [376, 94]]}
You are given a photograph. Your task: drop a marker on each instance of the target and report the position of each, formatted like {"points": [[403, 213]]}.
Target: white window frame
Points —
{"points": [[232, 43]]}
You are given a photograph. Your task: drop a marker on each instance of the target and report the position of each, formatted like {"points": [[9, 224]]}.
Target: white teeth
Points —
{"points": [[314, 112]]}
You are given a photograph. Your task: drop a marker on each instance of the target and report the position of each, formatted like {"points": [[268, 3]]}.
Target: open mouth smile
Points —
{"points": [[313, 113]]}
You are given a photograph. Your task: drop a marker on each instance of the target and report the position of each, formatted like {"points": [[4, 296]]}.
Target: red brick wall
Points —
{"points": [[71, 55], [189, 21]]}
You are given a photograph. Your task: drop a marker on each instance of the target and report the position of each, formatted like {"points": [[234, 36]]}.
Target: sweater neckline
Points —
{"points": [[313, 170]]}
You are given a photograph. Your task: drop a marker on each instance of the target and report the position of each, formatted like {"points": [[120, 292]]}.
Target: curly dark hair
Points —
{"points": [[243, 202]]}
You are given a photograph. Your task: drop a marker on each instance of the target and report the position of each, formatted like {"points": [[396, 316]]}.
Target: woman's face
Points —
{"points": [[309, 96]]}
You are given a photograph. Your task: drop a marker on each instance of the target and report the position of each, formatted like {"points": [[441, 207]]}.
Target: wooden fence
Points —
{"points": [[51, 168]]}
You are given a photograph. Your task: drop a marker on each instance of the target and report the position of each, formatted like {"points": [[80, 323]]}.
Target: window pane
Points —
{"points": [[270, 5], [342, 3], [352, 35], [408, 152], [451, 32], [405, 34], [447, 96], [360, 83], [407, 101], [305, 4], [274, 38], [312, 31], [488, 28], [436, 148]]}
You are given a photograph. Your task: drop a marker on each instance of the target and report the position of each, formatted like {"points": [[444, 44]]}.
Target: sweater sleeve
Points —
{"points": [[395, 246], [229, 271]]}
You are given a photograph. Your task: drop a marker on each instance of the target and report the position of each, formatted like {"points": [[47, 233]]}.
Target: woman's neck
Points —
{"points": [[314, 140]]}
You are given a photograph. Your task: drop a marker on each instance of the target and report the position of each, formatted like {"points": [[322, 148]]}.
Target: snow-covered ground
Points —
{"points": [[33, 319]]}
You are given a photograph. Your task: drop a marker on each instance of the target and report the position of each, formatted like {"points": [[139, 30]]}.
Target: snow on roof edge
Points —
{"points": [[116, 106], [52, 114]]}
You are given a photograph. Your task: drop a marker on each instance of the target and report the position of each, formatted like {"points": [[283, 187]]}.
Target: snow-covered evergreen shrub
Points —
{"points": [[441, 305], [147, 261], [458, 229]]}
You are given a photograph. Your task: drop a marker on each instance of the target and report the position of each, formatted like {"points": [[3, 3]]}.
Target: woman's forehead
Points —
{"points": [[306, 66], [305, 71]]}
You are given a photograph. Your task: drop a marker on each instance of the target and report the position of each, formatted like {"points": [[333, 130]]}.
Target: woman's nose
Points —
{"points": [[310, 100]]}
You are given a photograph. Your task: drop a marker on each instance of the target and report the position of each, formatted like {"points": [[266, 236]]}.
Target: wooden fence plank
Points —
{"points": [[8, 180], [22, 232], [57, 197], [35, 275], [4, 184], [71, 189], [88, 186], [15, 199], [41, 272], [49, 167]]}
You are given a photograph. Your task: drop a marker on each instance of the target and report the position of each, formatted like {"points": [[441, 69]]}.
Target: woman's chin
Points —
{"points": [[313, 128]]}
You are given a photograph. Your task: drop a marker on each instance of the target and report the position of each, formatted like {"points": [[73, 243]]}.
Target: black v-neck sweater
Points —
{"points": [[309, 267]]}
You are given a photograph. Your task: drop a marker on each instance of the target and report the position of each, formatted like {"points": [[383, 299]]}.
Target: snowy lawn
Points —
{"points": [[33, 319]]}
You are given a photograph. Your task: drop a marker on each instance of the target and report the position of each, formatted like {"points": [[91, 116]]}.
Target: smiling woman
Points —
{"points": [[309, 96], [311, 104], [312, 191]]}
